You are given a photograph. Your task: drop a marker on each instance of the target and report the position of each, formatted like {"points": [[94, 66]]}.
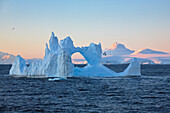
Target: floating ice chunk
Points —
{"points": [[60, 78], [18, 66]]}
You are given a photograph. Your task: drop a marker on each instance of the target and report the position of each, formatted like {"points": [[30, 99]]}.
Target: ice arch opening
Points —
{"points": [[78, 58]]}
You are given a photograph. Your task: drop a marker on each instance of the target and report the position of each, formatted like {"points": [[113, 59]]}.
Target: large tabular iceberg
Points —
{"points": [[57, 62]]}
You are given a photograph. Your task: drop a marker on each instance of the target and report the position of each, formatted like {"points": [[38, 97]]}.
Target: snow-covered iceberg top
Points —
{"points": [[57, 62]]}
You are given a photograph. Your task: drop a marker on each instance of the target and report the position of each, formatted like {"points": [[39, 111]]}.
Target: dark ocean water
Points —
{"points": [[149, 93]]}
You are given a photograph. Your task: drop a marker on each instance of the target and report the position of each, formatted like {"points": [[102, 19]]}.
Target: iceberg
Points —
{"points": [[18, 66], [57, 62]]}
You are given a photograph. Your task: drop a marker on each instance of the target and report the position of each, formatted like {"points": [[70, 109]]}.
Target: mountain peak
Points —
{"points": [[148, 51], [117, 45], [117, 49]]}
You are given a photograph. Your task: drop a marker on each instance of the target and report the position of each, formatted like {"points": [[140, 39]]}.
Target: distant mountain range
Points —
{"points": [[118, 49], [6, 58], [118, 54]]}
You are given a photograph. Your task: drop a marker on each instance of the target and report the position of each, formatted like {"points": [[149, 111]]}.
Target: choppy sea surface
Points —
{"points": [[149, 93]]}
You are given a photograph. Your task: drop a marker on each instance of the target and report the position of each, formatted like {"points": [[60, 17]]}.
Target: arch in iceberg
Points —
{"points": [[77, 58]]}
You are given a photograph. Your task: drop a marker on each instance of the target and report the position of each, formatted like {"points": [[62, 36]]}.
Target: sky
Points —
{"points": [[26, 25]]}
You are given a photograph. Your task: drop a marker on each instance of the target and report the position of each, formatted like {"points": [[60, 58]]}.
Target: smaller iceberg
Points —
{"points": [[133, 69], [59, 78], [18, 67]]}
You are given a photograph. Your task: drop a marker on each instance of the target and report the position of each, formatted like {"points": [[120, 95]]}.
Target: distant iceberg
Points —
{"points": [[57, 62]]}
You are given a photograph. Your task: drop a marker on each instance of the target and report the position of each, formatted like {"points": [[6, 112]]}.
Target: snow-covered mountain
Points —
{"points": [[148, 51], [6, 58], [117, 49]]}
